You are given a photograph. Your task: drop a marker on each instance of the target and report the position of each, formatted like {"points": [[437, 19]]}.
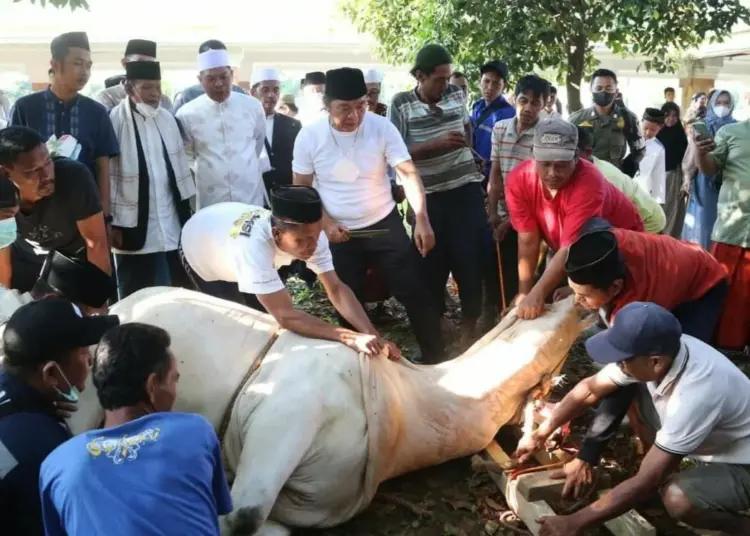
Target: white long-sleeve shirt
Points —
{"points": [[224, 141], [652, 170]]}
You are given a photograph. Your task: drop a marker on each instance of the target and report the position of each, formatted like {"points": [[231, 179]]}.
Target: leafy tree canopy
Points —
{"points": [[73, 4], [545, 34]]}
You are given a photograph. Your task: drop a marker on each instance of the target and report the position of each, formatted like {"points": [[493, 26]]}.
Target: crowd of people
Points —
{"points": [[223, 194]]}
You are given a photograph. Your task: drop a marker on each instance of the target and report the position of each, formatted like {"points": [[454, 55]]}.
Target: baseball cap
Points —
{"points": [[41, 330], [498, 66], [641, 329], [554, 140]]}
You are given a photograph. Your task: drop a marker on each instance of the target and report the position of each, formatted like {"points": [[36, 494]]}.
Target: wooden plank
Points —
{"points": [[539, 486], [629, 524]]}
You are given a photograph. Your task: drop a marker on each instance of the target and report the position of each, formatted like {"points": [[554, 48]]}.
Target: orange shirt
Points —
{"points": [[663, 270]]}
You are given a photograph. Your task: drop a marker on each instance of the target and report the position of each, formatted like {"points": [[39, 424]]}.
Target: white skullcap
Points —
{"points": [[373, 76], [211, 59], [261, 75]]}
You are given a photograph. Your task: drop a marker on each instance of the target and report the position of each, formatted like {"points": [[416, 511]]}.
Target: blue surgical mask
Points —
{"points": [[8, 232], [74, 394]]}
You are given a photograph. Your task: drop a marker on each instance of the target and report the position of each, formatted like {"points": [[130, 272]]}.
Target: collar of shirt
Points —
{"points": [[481, 104], [50, 96], [678, 366]]}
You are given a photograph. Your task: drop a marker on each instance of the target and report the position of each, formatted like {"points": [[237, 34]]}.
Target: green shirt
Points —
{"points": [[609, 133], [650, 210], [732, 157]]}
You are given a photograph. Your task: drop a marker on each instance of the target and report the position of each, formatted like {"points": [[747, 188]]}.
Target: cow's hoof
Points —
{"points": [[245, 521]]}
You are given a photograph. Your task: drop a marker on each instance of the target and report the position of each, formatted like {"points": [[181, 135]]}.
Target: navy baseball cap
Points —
{"points": [[640, 329]]}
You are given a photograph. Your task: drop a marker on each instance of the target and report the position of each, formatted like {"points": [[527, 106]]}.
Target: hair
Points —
{"points": [[585, 139], [8, 193], [125, 358], [16, 140], [668, 107], [211, 44], [282, 225], [669, 90], [552, 90], [458, 74], [537, 85], [697, 96], [50, 71], [603, 73]]}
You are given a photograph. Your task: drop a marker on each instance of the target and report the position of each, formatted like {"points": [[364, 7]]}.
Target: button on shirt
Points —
{"points": [[83, 118], [233, 242], [224, 141], [732, 155], [703, 405], [417, 123], [26, 438], [482, 134]]}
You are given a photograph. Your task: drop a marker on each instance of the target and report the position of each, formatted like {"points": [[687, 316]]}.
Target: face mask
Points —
{"points": [[147, 110], [8, 231], [602, 98], [74, 393], [721, 111]]}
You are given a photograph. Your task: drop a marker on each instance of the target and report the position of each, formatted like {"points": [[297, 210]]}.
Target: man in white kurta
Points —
{"points": [[652, 169], [224, 134]]}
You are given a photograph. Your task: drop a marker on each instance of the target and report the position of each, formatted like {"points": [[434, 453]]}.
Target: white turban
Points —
{"points": [[211, 59], [262, 75], [373, 76]]}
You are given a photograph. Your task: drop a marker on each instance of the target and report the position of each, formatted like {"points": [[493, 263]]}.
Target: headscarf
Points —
{"points": [[714, 122], [673, 138]]}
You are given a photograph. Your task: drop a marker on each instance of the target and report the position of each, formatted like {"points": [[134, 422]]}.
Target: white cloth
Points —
{"points": [[233, 242], [269, 129], [265, 159], [263, 75], [554, 114], [703, 404], [373, 76], [652, 170], [224, 141], [362, 197], [123, 169], [211, 59], [311, 109]]}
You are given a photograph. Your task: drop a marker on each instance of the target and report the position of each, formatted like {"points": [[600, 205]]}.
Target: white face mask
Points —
{"points": [[721, 111], [8, 231], [146, 110], [74, 394]]}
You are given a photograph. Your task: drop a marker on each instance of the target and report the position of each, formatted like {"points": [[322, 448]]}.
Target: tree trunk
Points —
{"points": [[574, 76]]}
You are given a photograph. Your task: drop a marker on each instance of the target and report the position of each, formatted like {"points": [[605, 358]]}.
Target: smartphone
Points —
{"points": [[701, 130]]}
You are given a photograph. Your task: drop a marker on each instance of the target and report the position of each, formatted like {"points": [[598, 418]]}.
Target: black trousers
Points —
{"points": [[398, 262], [699, 319], [459, 220], [224, 290], [135, 272]]}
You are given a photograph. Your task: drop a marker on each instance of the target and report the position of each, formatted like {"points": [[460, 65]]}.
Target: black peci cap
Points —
{"points": [[297, 203], [345, 84]]}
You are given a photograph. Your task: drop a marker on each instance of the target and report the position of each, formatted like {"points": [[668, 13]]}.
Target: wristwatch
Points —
{"points": [[108, 219]]}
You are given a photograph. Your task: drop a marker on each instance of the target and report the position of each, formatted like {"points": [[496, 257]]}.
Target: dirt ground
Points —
{"points": [[452, 499]]}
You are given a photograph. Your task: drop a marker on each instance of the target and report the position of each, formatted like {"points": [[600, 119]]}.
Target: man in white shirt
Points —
{"points": [[345, 156], [151, 185], [652, 169], [697, 402], [233, 251], [551, 106], [311, 104], [224, 133]]}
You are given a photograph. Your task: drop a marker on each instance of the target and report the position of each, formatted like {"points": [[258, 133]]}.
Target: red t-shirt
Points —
{"points": [[559, 219], [664, 270]]}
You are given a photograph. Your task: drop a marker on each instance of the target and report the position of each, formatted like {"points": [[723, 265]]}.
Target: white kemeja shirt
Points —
{"points": [[233, 242], [361, 198], [652, 170], [703, 404], [224, 141], [163, 231]]}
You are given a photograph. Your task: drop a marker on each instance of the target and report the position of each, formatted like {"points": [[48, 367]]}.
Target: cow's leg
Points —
{"points": [[280, 433]]}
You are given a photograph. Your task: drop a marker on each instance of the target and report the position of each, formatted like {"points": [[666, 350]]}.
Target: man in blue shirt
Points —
{"points": [[46, 345], [193, 92], [60, 110], [488, 110], [149, 472]]}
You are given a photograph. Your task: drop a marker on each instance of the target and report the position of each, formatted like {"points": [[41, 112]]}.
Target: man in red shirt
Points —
{"points": [[610, 268], [551, 197]]}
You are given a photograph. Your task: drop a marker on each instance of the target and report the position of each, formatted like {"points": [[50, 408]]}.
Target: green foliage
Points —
{"points": [[545, 34], [73, 4]]}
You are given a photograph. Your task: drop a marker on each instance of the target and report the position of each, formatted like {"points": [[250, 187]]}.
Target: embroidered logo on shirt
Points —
{"points": [[244, 224], [123, 449]]}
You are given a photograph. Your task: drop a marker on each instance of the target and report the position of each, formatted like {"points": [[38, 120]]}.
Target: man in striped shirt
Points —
{"points": [[434, 122], [512, 143]]}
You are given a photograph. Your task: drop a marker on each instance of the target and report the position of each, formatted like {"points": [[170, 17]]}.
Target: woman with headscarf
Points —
{"points": [[675, 142], [704, 190]]}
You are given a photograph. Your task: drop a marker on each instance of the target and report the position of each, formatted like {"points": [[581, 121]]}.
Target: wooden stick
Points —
{"points": [[500, 274]]}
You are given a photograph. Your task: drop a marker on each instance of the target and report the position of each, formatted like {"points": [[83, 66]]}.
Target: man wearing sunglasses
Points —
{"points": [[695, 403]]}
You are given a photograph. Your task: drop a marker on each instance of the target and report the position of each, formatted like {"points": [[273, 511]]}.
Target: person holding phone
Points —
{"points": [[46, 346]]}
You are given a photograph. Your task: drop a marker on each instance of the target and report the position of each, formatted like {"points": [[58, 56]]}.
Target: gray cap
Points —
{"points": [[555, 139]]}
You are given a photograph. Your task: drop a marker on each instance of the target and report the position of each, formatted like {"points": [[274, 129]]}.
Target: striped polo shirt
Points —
{"points": [[417, 123], [508, 148]]}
